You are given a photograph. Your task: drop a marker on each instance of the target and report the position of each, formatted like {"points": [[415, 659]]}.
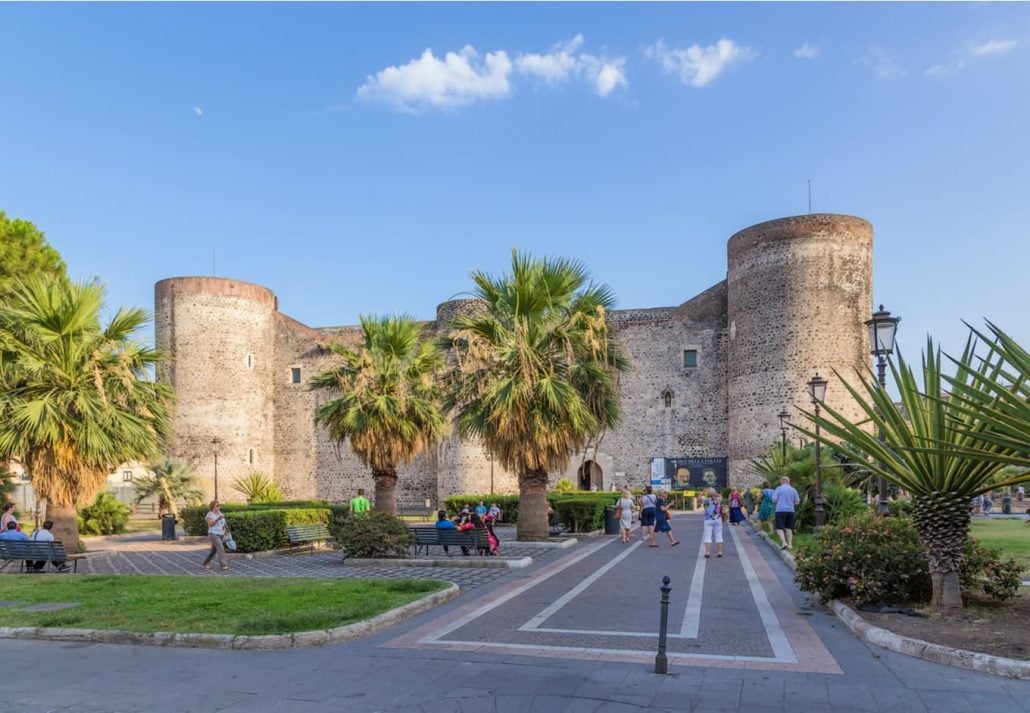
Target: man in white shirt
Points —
{"points": [[44, 534]]}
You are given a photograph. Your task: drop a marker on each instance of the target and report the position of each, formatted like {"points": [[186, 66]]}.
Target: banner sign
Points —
{"points": [[691, 473]]}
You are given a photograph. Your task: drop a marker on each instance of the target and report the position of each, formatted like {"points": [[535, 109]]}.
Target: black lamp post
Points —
{"points": [[882, 328], [817, 390], [784, 420], [215, 442]]}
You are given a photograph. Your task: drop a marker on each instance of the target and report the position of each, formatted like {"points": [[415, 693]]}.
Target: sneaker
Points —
{"points": [[64, 568], [205, 566]]}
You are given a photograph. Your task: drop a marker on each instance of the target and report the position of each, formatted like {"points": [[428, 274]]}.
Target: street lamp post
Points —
{"points": [[215, 442], [882, 329], [784, 420], [817, 390]]}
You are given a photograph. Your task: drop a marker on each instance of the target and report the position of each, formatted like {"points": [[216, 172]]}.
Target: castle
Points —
{"points": [[707, 381]]}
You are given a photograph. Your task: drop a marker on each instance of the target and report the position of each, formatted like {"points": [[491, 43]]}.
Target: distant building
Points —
{"points": [[709, 376]]}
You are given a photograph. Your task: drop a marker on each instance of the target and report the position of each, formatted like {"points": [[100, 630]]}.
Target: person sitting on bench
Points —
{"points": [[44, 534], [13, 534], [444, 523]]}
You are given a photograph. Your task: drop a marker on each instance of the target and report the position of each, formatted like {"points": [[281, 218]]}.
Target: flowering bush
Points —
{"points": [[880, 559]]}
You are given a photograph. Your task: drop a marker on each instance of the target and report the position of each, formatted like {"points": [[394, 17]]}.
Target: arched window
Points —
{"points": [[667, 397]]}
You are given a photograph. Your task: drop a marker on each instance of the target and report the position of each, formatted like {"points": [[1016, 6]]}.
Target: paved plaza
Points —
{"points": [[575, 632]]}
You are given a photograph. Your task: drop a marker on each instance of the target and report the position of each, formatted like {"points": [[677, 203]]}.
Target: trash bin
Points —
{"points": [[1006, 504], [168, 526], [611, 524]]}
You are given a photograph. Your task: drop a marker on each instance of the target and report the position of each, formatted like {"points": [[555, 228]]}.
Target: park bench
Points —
{"points": [[306, 535], [426, 537], [50, 552]]}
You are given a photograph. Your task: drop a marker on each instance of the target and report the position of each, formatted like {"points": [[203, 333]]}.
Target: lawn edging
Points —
{"points": [[457, 562], [956, 658], [300, 639]]}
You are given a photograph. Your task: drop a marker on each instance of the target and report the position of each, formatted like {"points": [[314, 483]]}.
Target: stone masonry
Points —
{"points": [[796, 294]]}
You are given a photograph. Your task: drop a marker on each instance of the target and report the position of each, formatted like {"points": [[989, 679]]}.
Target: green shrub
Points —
{"points": [[868, 558], [899, 508], [842, 503], [564, 486], [984, 570], [105, 516], [192, 518], [371, 535], [256, 529], [875, 559]]}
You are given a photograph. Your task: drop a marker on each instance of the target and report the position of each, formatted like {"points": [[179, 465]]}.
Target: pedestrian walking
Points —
{"points": [[359, 505], [216, 534], [766, 508], [648, 515], [749, 504], [736, 505], [786, 499], [7, 517], [624, 509], [988, 503], [662, 517], [1020, 493], [713, 510]]}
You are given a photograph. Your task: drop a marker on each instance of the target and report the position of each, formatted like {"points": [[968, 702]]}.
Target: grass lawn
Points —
{"points": [[1010, 536], [222, 605]]}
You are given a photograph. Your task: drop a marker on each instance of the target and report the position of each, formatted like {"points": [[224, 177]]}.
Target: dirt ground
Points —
{"points": [[987, 626]]}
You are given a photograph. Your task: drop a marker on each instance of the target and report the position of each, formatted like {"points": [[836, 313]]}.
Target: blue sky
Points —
{"points": [[317, 149]]}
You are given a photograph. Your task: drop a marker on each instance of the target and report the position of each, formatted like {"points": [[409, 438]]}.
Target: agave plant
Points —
{"points": [[257, 487], [935, 448]]}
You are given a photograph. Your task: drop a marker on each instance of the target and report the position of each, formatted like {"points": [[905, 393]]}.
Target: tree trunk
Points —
{"points": [[942, 520], [66, 524], [532, 525], [386, 490]]}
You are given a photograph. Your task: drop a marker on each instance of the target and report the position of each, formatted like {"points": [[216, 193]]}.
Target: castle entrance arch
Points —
{"points": [[591, 477]]}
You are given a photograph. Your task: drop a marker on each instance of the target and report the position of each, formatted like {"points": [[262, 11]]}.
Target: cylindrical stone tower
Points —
{"points": [[219, 335], [798, 292]]}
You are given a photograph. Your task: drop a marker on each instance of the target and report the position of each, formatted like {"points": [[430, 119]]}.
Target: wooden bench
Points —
{"points": [[50, 552], [426, 537], [300, 535]]}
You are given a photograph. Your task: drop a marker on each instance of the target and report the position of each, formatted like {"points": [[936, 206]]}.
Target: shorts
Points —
{"points": [[784, 521], [647, 517], [713, 529]]}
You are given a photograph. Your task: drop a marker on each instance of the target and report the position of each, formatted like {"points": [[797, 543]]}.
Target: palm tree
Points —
{"points": [[535, 373], [171, 481], [76, 397], [386, 399], [931, 446]]}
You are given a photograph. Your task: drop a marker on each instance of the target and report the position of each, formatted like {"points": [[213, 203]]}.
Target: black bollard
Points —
{"points": [[661, 662]]}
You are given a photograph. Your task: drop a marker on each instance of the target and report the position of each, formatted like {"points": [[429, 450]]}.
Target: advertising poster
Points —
{"points": [[695, 473]]}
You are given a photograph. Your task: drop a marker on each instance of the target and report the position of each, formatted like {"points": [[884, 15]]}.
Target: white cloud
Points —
{"points": [[466, 77], [699, 66], [993, 47], [198, 111], [564, 62], [883, 64], [972, 52], [457, 79], [806, 51]]}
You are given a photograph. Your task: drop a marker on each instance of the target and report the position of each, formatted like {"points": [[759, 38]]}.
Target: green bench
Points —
{"points": [[426, 537], [306, 535], [27, 550]]}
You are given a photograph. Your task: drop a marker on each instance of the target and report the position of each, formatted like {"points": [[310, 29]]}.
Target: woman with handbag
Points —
{"points": [[624, 514], [662, 517], [216, 531]]}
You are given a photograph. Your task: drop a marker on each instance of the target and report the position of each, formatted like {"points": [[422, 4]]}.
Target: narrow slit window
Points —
{"points": [[295, 375], [251, 456], [250, 361], [690, 358]]}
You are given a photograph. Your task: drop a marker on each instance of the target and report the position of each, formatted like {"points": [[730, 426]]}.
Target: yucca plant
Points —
{"points": [[385, 399], [257, 487], [172, 481], [536, 373], [932, 447]]}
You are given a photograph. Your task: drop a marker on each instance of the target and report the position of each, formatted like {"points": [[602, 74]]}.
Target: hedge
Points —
{"points": [[193, 523], [258, 528]]}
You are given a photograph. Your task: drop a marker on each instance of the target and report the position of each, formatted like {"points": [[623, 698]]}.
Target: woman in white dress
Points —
{"points": [[626, 518]]}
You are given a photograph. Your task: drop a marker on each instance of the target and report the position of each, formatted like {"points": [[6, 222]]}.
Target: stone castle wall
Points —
{"points": [[799, 290], [796, 294]]}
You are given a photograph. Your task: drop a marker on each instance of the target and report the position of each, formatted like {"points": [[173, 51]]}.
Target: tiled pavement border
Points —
{"points": [[804, 651], [957, 658], [301, 639], [463, 562]]}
